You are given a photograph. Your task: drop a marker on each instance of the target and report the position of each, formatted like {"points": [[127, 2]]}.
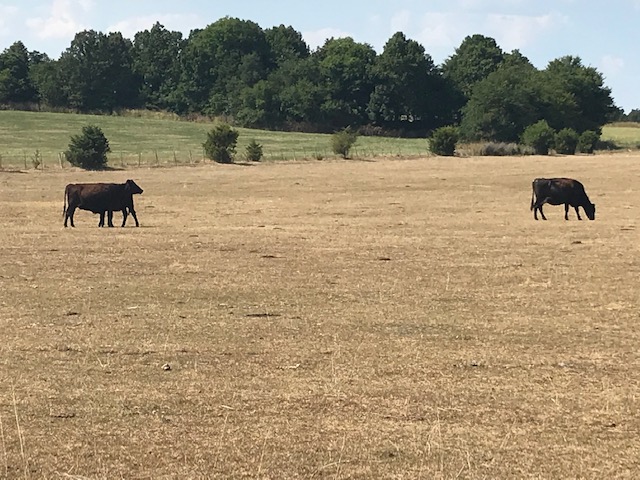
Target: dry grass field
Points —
{"points": [[388, 319]]}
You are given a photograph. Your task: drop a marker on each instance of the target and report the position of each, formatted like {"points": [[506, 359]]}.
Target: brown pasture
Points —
{"points": [[393, 318]]}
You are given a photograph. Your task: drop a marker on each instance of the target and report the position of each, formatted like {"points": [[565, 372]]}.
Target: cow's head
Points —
{"points": [[590, 210], [132, 187]]}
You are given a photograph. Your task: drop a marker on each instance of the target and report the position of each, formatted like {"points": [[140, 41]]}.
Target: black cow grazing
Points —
{"points": [[557, 191], [101, 198]]}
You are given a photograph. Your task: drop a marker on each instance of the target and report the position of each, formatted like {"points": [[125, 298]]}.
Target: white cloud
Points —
{"points": [[62, 20], [317, 38], [177, 22]]}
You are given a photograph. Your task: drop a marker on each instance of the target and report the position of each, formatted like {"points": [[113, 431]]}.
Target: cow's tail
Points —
{"points": [[64, 206], [533, 192]]}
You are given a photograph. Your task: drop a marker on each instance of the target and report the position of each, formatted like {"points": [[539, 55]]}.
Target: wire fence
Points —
{"points": [[49, 160]]}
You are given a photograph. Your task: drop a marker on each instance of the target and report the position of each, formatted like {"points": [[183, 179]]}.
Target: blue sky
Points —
{"points": [[605, 35]]}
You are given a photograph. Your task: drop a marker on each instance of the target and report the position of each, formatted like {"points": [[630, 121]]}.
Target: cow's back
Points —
{"points": [[559, 190]]}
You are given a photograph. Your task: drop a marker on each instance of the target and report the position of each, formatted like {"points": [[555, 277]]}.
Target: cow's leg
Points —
{"points": [[124, 216], [101, 222], [578, 213], [566, 211], [110, 218], [541, 212], [133, 214], [69, 216], [535, 212]]}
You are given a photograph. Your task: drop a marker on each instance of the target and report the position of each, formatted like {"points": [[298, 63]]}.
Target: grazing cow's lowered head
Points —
{"points": [[557, 191]]}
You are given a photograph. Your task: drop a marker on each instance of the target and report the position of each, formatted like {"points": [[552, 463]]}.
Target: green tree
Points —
{"points": [[298, 93], [345, 68], [156, 60], [48, 82], [410, 92], [576, 95], [633, 116], [258, 106], [96, 74], [286, 44], [219, 61], [504, 103], [16, 85], [540, 136], [221, 142], [89, 149], [473, 61]]}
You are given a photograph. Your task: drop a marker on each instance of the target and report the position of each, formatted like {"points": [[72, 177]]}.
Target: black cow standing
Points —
{"points": [[557, 191], [101, 198]]}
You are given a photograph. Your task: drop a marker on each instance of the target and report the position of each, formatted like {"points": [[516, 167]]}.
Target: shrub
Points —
{"points": [[221, 142], [540, 136], [587, 141], [254, 151], [443, 141], [343, 141], [500, 149], [89, 149], [566, 141]]}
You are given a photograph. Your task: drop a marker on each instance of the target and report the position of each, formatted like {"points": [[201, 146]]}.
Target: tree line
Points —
{"points": [[269, 78]]}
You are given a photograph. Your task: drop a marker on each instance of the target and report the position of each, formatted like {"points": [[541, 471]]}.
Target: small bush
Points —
{"points": [[540, 136], [254, 151], [343, 141], [566, 141], [221, 142], [443, 141], [89, 149], [587, 141]]}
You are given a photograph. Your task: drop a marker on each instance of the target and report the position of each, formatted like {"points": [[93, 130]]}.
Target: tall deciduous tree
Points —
{"points": [[410, 92], [219, 61], [577, 96], [299, 93], [156, 60], [504, 103], [475, 58], [286, 44], [16, 85], [44, 74], [345, 68], [96, 72]]}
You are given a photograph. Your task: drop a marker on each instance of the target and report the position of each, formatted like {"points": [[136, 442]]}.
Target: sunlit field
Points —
{"points": [[624, 134], [377, 318], [154, 140]]}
